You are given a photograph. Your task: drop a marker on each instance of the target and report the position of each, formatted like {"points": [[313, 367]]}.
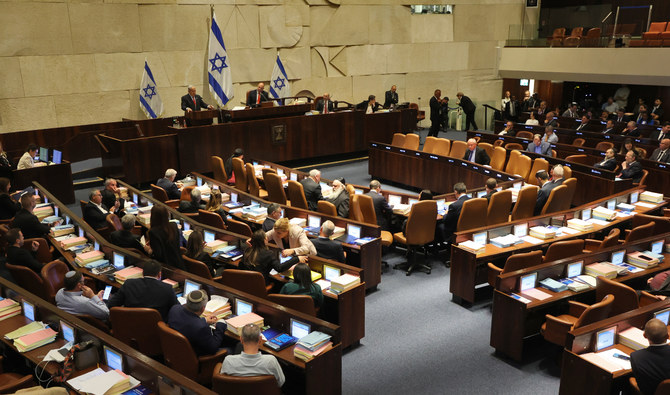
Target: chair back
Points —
{"points": [[325, 207], [398, 140], [458, 149], [136, 326], [43, 254], [523, 134], [250, 385], [486, 147], [578, 142], [412, 141], [522, 261], [571, 183], [662, 224], [178, 354], [643, 179], [430, 144], [567, 171], [89, 319], [525, 203], [28, 279], [159, 193], [239, 227], [596, 312], [196, 267], [53, 276], [611, 240], [592, 37], [604, 146], [577, 159], [498, 143], [367, 209], [240, 174], [471, 214], [218, 169], [275, 189], [499, 206], [252, 181], [442, 147], [518, 164], [301, 303], [211, 218], [420, 228], [625, 297], [564, 249], [355, 208], [664, 387], [641, 232], [82, 204], [186, 193], [296, 194], [510, 146], [266, 170], [113, 222], [498, 158], [246, 281], [576, 32], [538, 164], [555, 201]]}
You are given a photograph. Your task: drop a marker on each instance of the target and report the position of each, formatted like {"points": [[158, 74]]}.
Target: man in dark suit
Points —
{"points": [[544, 191], [584, 124], [382, 208], [631, 130], [167, 183], [662, 153], [664, 133], [325, 247], [508, 130], [109, 196], [19, 256], [187, 320], [325, 106], [469, 110], [312, 189], [651, 365], [609, 163], [491, 185], [27, 221], [435, 107], [538, 146], [148, 291], [621, 116], [609, 127], [125, 238], [257, 96], [656, 112], [391, 98], [450, 219], [512, 109], [193, 205], [95, 212], [476, 154], [192, 102], [274, 213], [631, 168]]}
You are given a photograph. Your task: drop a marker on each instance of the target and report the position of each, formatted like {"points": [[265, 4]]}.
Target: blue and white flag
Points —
{"points": [[279, 87], [218, 67], [150, 101]]}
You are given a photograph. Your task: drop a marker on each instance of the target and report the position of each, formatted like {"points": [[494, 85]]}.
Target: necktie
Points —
{"points": [[258, 98], [194, 105], [660, 155], [472, 156], [325, 107]]}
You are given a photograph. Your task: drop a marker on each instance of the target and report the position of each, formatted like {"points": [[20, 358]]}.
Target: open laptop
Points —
{"points": [[313, 225], [299, 329], [353, 234]]}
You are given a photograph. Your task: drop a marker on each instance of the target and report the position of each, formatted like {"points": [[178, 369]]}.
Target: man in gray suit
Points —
{"points": [[539, 147]]}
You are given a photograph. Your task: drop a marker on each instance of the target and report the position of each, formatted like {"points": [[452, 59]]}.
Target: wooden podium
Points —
{"points": [[199, 118]]}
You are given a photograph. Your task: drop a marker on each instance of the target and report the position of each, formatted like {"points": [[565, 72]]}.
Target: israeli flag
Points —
{"points": [[279, 86], [150, 101], [218, 67]]}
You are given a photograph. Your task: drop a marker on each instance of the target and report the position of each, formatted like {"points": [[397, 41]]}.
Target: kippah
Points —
{"points": [[196, 296], [70, 274]]}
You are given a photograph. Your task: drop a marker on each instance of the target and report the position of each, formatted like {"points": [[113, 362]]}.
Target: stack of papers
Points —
{"points": [[542, 232], [255, 213], [651, 197], [301, 222], [625, 207], [99, 382], [42, 212], [641, 259], [61, 230], [553, 285], [585, 278], [607, 361], [633, 338], [402, 209], [536, 293], [127, 273], [73, 241], [598, 269], [144, 219], [470, 245], [577, 286], [215, 245], [505, 241], [52, 219], [344, 283], [88, 257], [654, 255], [35, 339], [603, 213], [312, 345], [9, 308], [236, 324], [580, 225], [25, 330], [218, 306], [171, 283], [338, 232]]}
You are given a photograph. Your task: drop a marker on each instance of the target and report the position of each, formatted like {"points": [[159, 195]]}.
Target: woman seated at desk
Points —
{"points": [[284, 234], [8, 206], [164, 239], [260, 258], [302, 284], [628, 145], [195, 249], [214, 204]]}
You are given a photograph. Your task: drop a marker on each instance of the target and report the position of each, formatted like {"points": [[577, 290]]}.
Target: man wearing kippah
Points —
{"points": [[187, 320], [77, 298]]}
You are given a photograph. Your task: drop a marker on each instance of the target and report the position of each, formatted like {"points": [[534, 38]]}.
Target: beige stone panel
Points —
{"points": [[482, 88], [305, 37], [57, 75], [259, 2], [174, 28], [252, 65], [183, 68], [296, 62], [340, 88], [146, 2], [427, 2], [122, 71], [485, 22], [366, 59], [431, 28], [240, 25], [10, 78], [80, 109], [390, 24], [27, 113], [426, 57], [274, 31], [338, 63], [317, 2], [299, 13], [420, 86], [34, 29], [482, 55], [321, 61], [106, 28], [377, 85], [346, 25]]}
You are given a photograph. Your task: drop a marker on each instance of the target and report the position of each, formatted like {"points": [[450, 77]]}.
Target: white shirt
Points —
{"points": [[26, 162], [532, 122]]}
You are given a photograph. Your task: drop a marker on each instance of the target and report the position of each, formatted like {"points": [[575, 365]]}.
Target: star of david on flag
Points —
{"points": [[218, 69], [279, 85], [150, 101]]}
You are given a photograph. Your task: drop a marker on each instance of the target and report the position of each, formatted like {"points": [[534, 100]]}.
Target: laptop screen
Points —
{"points": [[528, 282], [190, 286], [299, 329], [242, 307], [186, 226], [233, 197], [605, 338], [611, 204], [663, 315], [198, 181], [481, 194], [81, 232], [209, 236], [67, 220], [56, 210], [358, 191], [280, 172], [28, 310], [67, 331], [354, 231], [394, 200], [313, 221], [96, 246], [617, 257], [294, 176], [58, 157], [113, 359], [283, 259], [413, 201], [119, 260], [574, 269], [330, 272]]}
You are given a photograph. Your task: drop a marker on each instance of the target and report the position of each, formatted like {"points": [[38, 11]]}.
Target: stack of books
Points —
{"points": [[171, 283], [231, 252], [542, 232], [128, 273], [214, 246], [343, 283], [35, 339], [580, 225], [73, 241], [402, 209], [51, 219], [236, 324], [312, 345], [470, 245], [633, 338], [651, 197], [43, 211], [598, 269], [88, 257], [144, 219], [144, 210], [61, 230], [301, 222], [9, 308], [338, 232], [255, 213], [625, 207], [603, 213], [218, 307], [641, 260], [505, 241], [101, 266], [107, 383], [553, 285], [660, 257]]}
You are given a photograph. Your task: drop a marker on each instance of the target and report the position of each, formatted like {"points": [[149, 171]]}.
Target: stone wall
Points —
{"points": [[68, 63]]}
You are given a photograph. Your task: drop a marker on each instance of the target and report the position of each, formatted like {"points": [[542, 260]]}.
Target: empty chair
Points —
{"points": [[498, 158], [555, 329], [29, 280], [411, 141], [499, 206], [577, 159], [571, 183], [246, 281], [640, 232], [301, 303], [275, 188], [239, 227], [611, 240], [430, 144], [486, 147], [563, 249], [226, 384], [471, 214], [218, 169], [458, 149], [578, 142], [498, 143], [240, 174], [53, 276], [556, 39], [419, 231], [592, 38], [575, 37], [661, 224], [159, 194], [420, 114], [196, 267], [211, 218], [655, 31], [252, 183], [514, 262], [136, 326], [524, 135], [267, 170], [604, 146], [296, 194], [525, 203], [538, 164], [511, 146], [556, 200], [518, 164], [327, 208], [625, 297], [398, 140], [442, 147], [12, 382]]}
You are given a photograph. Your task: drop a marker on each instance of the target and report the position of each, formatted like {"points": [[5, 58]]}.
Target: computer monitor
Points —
{"points": [[67, 220], [313, 221], [255, 163], [233, 197], [57, 157], [441, 202], [293, 176], [586, 214], [96, 246], [527, 282], [209, 236], [657, 246], [198, 181], [481, 194], [330, 272], [574, 269], [413, 201], [81, 232], [44, 154], [521, 230], [517, 185], [479, 238], [190, 286], [394, 200], [187, 226], [118, 260], [354, 231], [663, 315], [605, 338], [324, 185], [617, 257], [611, 204], [56, 210], [299, 329], [243, 307], [358, 191], [135, 198], [634, 197], [113, 359], [67, 331], [28, 310], [280, 172]]}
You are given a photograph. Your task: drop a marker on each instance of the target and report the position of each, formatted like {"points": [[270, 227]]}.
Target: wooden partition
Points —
{"points": [[58, 178]]}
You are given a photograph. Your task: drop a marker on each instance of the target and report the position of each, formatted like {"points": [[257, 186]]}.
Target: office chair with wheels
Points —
{"points": [[419, 231]]}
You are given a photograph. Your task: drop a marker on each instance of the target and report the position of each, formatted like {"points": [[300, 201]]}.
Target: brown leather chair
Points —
{"points": [[355, 209], [512, 161], [471, 214], [442, 147], [196, 267], [53, 276], [429, 145], [266, 170], [419, 231], [655, 31], [246, 281], [625, 297], [525, 203], [12, 382], [486, 147], [113, 222], [556, 39], [83, 203], [29, 280], [95, 322], [498, 143], [556, 200], [420, 114], [296, 194], [186, 193], [511, 146], [521, 165], [398, 140], [513, 263], [252, 183], [44, 253], [567, 172], [327, 208], [159, 194], [219, 169], [563, 249], [179, 356], [458, 149], [642, 152], [578, 142], [136, 326], [301, 303], [662, 389], [661, 224], [611, 240], [498, 158], [524, 135], [250, 385], [603, 146], [643, 179], [211, 218], [575, 37], [538, 164], [412, 141], [240, 174], [592, 38], [499, 206], [639, 233], [275, 188], [582, 159], [367, 210], [239, 227], [555, 329], [571, 183]]}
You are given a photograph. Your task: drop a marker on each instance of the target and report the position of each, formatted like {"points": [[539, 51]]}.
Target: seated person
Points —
{"points": [[604, 116], [609, 127], [195, 249], [187, 320], [148, 291], [27, 221], [491, 185], [369, 105], [251, 362], [543, 193], [164, 239], [539, 147], [274, 213], [302, 284], [312, 189], [228, 164], [110, 196], [550, 121], [450, 219], [19, 256], [509, 129], [584, 125], [608, 163], [8, 206], [76, 298], [549, 135], [631, 130], [531, 119], [257, 96], [168, 184], [660, 154], [339, 196], [382, 209], [628, 145], [285, 234], [631, 168], [260, 258], [193, 205], [27, 160], [326, 105], [214, 204], [556, 174], [651, 365], [327, 248], [476, 154], [124, 238], [95, 212], [571, 112], [620, 116]]}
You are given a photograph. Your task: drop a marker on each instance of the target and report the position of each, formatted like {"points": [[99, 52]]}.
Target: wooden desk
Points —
{"points": [[58, 178], [249, 114]]}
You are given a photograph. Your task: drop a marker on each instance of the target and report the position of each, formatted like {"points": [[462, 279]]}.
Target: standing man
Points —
{"points": [[27, 160], [571, 112], [325, 106], [435, 107], [110, 195], [192, 102], [382, 208], [391, 98], [651, 365], [657, 111], [312, 189], [469, 110], [257, 96], [476, 154]]}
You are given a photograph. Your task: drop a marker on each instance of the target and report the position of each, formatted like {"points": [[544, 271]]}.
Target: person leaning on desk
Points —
{"points": [[285, 233], [8, 206], [651, 365], [258, 257]]}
